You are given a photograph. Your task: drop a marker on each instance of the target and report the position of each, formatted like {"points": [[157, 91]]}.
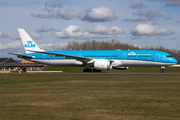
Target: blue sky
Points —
{"points": [[54, 23]]}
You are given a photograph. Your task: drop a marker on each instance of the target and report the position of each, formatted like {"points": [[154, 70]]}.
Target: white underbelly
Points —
{"points": [[140, 63], [58, 62]]}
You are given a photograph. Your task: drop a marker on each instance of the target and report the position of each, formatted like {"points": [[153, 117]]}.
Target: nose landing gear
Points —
{"points": [[161, 70]]}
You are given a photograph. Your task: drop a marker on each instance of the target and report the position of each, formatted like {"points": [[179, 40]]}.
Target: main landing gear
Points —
{"points": [[91, 70]]}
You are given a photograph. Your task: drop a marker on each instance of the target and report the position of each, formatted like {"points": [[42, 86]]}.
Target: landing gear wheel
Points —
{"points": [[162, 71], [94, 70], [87, 70]]}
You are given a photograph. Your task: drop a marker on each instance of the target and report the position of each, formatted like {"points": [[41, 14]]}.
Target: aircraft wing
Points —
{"points": [[83, 59], [20, 56]]}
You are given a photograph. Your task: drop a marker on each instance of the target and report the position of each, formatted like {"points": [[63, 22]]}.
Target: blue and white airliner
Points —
{"points": [[99, 59]]}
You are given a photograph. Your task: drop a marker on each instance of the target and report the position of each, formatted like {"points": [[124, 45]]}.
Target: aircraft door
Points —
{"points": [[157, 57], [124, 56]]}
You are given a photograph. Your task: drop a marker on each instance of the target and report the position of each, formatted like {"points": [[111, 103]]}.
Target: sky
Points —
{"points": [[54, 23]]}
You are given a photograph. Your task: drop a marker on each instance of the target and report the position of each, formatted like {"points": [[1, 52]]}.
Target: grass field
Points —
{"points": [[89, 96]]}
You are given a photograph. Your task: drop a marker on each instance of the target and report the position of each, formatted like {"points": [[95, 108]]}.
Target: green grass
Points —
{"points": [[89, 96], [131, 69]]}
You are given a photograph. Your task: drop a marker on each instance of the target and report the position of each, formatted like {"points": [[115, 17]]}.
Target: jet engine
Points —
{"points": [[103, 64]]}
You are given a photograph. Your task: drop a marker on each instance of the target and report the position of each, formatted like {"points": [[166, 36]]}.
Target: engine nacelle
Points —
{"points": [[103, 64], [121, 68]]}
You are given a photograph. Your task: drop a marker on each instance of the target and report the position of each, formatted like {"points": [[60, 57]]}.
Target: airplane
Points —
{"points": [[98, 59]]}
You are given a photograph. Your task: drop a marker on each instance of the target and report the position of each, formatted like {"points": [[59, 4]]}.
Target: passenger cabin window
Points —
{"points": [[169, 56], [131, 55], [144, 55], [100, 56]]}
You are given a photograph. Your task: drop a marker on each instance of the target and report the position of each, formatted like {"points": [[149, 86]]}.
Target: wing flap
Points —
{"points": [[20, 56]]}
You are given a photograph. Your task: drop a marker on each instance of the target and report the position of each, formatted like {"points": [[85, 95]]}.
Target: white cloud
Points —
{"points": [[99, 14], [15, 37], [144, 16], [32, 34], [46, 16], [53, 5], [149, 30], [137, 6], [49, 6], [170, 2], [60, 14], [14, 47], [99, 31], [3, 35], [35, 35], [71, 31], [6, 35], [44, 29], [66, 14], [173, 3], [50, 46], [138, 46], [52, 13], [107, 30]]}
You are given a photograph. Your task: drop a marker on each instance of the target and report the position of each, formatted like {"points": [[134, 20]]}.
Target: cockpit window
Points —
{"points": [[169, 56]]}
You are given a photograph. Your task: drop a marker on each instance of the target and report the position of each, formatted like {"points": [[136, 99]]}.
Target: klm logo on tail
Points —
{"points": [[29, 44]]}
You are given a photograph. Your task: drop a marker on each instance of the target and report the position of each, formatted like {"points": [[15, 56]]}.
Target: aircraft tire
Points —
{"points": [[94, 70], [162, 71], [87, 70]]}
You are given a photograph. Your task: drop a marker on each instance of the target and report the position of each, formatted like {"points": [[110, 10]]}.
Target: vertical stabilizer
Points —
{"points": [[28, 42]]}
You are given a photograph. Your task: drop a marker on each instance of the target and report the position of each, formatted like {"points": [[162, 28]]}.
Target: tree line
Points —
{"points": [[114, 45]]}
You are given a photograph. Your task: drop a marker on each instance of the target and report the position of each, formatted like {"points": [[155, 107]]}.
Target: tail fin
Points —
{"points": [[28, 42]]}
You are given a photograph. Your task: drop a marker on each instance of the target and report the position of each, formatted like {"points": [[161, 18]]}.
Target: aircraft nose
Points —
{"points": [[175, 61]]}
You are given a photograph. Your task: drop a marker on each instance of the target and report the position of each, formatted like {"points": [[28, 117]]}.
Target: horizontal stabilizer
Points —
{"points": [[20, 56]]}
